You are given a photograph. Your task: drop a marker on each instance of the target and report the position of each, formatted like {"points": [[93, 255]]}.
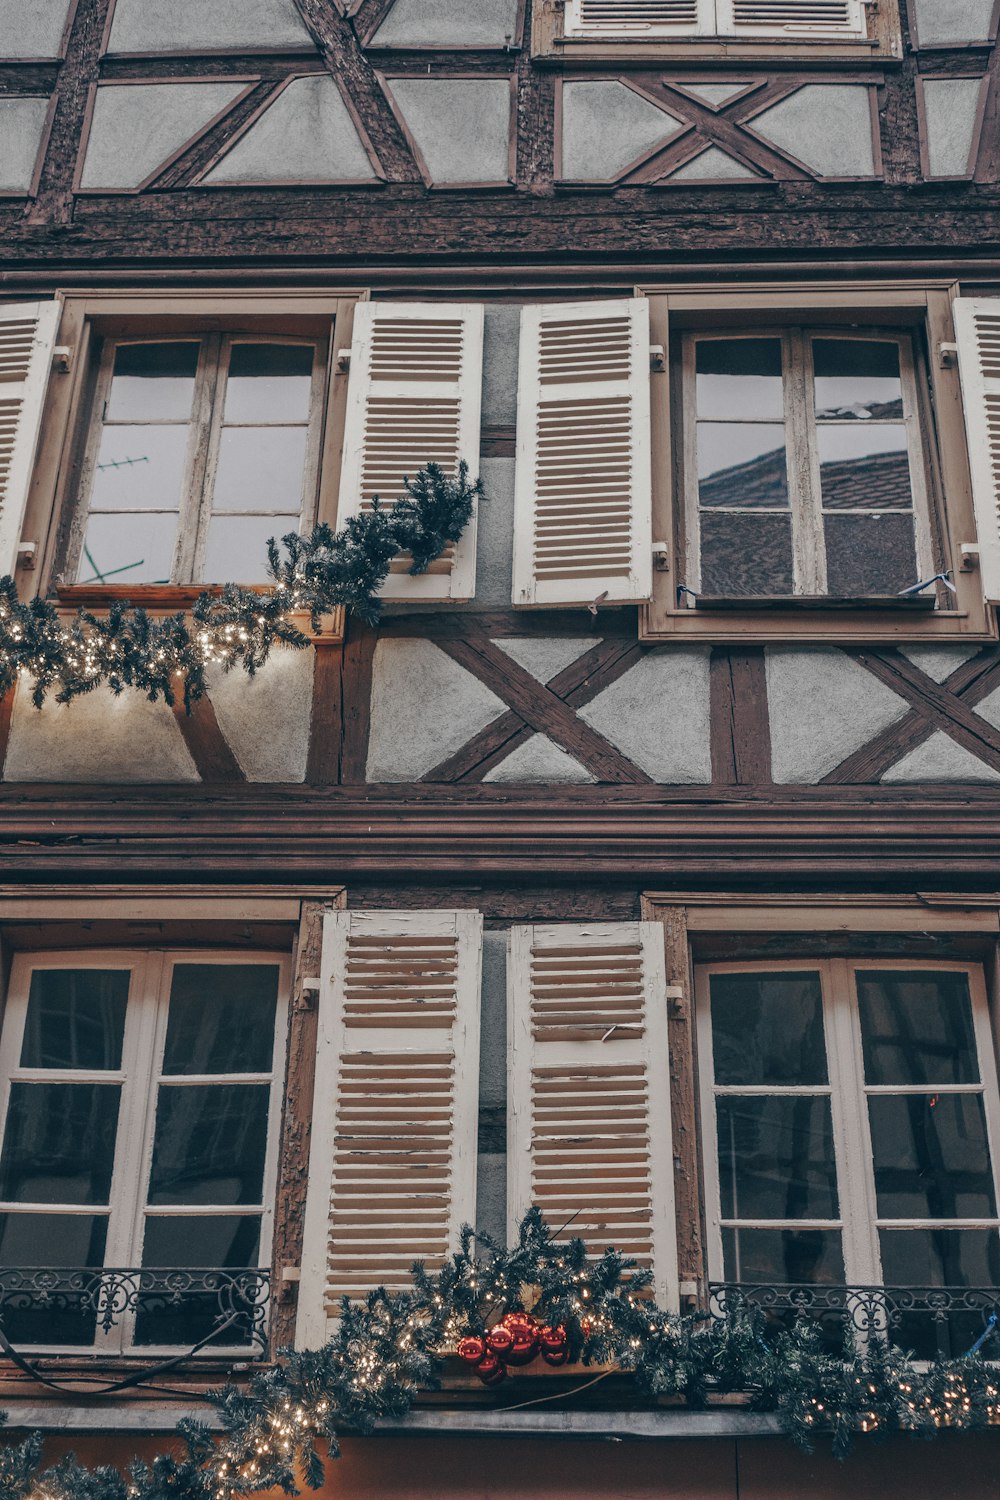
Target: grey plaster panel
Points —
{"points": [[424, 707], [32, 28], [539, 760], [657, 715], [943, 22], [950, 109], [501, 334], [606, 126], [493, 1022], [939, 661], [989, 709], [307, 134], [825, 126], [715, 165], [136, 127], [208, 26], [546, 655], [448, 23], [22, 121], [461, 125], [940, 758], [713, 93], [491, 1195], [823, 707], [495, 535], [97, 738], [248, 708]]}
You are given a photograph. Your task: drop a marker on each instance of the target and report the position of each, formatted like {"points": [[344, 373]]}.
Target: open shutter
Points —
{"points": [[642, 19], [583, 506], [977, 330], [589, 1113], [392, 1164], [27, 339], [414, 398], [797, 18]]}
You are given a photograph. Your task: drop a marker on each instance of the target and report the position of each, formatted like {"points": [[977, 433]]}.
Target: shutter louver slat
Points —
{"points": [[977, 330], [635, 18], [393, 1153], [27, 339], [589, 1126], [804, 18], [583, 485], [414, 398]]}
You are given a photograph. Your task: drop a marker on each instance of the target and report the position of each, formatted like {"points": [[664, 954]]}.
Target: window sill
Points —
{"points": [[829, 622], [168, 599], [607, 50], [911, 604]]}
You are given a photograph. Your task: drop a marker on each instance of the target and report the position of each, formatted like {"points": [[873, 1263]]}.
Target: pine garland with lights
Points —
{"points": [[167, 656], [278, 1429]]}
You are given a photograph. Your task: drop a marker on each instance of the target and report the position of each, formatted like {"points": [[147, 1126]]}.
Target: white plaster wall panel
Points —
{"points": [[448, 23], [97, 738], [951, 106], [825, 126], [32, 28], [712, 94], [939, 661], [495, 535], [546, 655], [306, 135], [823, 707], [989, 709], [249, 708], [942, 23], [424, 707], [22, 121], [501, 332], [940, 758], [461, 125], [606, 126], [208, 26], [136, 127], [539, 760], [714, 165], [658, 715]]}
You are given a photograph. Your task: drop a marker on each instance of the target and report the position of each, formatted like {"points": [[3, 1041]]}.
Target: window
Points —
{"points": [[851, 1119], [686, 18], [140, 1105], [803, 466], [198, 450]]}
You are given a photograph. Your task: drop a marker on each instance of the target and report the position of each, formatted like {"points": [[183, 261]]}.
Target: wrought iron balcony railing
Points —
{"points": [[929, 1322], [130, 1310]]}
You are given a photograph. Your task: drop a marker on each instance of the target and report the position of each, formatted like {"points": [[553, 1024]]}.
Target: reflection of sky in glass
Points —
{"points": [[152, 382], [129, 548], [140, 468], [269, 383], [260, 468], [237, 546]]}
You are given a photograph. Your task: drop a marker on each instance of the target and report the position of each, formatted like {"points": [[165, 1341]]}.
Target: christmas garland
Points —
{"points": [[496, 1307], [167, 656]]}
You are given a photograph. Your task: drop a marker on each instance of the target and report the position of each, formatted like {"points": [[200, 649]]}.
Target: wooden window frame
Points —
{"points": [[920, 308], [550, 44], [140, 1076]]}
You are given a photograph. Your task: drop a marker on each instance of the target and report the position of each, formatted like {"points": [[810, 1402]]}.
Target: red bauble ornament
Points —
{"points": [[555, 1347], [524, 1331], [491, 1370], [500, 1340], [472, 1349]]}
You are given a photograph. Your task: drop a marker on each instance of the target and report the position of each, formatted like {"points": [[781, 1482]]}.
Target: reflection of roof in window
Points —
{"points": [[875, 482]]}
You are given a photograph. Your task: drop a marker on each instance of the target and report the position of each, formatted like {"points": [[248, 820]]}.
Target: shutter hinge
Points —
{"points": [[309, 993], [26, 555], [948, 356], [343, 360], [657, 357], [661, 557], [970, 557], [62, 358]]}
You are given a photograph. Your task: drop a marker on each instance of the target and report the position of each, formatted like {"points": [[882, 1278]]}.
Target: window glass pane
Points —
{"points": [[776, 1158], [209, 1144], [59, 1144], [75, 1018], [260, 468], [739, 378], [768, 1028], [140, 468], [746, 555], [212, 1241], [269, 383], [808, 1257], [857, 378], [152, 381], [742, 464], [221, 1018], [931, 1156], [237, 546], [917, 1028], [864, 468], [940, 1257], [32, 1240], [223, 1240], [871, 554], [128, 549]]}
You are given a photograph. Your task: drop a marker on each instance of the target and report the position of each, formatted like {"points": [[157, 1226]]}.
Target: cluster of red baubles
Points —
{"points": [[516, 1340]]}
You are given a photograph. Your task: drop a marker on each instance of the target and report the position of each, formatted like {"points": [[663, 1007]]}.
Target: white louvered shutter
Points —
{"points": [[795, 18], [392, 1163], [583, 495], [414, 397], [641, 19], [589, 1104], [27, 339], [977, 329]]}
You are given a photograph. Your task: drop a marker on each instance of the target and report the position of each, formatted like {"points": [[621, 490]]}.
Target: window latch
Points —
{"points": [[948, 355]]}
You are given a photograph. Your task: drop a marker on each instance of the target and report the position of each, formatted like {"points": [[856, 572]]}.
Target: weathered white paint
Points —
{"points": [[658, 715]]}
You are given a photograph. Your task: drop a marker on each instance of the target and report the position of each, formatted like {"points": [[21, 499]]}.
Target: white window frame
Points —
{"points": [[205, 429], [140, 1077], [805, 501], [859, 1222]]}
